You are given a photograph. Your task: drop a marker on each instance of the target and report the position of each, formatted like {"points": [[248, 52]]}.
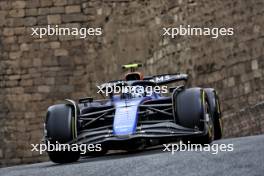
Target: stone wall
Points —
{"points": [[35, 73], [245, 122]]}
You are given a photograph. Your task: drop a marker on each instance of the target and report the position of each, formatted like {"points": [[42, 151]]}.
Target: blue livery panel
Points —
{"points": [[125, 120]]}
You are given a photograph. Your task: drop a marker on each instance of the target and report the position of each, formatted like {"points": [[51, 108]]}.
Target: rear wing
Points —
{"points": [[167, 78], [157, 79]]}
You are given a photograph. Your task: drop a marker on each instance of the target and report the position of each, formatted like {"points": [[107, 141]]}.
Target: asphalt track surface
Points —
{"points": [[247, 159]]}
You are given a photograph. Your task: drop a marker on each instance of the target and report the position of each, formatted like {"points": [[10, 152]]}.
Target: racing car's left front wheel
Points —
{"points": [[62, 157], [61, 128]]}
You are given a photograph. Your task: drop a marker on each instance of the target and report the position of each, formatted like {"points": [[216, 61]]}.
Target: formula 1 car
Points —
{"points": [[132, 120]]}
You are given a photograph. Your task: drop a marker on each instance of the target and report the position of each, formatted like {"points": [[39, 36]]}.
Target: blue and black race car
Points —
{"points": [[135, 119]]}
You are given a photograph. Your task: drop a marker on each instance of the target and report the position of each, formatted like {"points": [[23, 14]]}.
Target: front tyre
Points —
{"points": [[61, 128], [192, 111], [63, 157]]}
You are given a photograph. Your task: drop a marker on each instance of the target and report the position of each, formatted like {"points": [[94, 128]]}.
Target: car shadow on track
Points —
{"points": [[113, 156]]}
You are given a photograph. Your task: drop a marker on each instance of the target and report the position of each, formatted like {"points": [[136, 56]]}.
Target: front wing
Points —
{"points": [[160, 130]]}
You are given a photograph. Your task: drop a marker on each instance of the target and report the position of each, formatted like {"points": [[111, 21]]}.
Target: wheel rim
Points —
{"points": [[209, 121]]}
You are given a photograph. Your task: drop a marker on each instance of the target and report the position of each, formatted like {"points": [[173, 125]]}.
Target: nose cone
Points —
{"points": [[125, 121]]}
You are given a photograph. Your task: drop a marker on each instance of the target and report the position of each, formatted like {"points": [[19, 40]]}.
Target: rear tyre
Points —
{"points": [[214, 103], [192, 111], [61, 128]]}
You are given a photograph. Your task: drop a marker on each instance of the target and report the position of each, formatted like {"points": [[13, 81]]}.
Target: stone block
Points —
{"points": [[44, 89], [247, 88], [74, 1], [54, 19], [5, 5], [32, 3], [8, 32], [9, 40], [19, 30], [57, 10], [17, 13], [46, 3], [73, 18], [37, 62], [43, 11], [230, 82], [60, 2], [66, 88], [14, 77], [50, 62], [30, 21], [15, 55], [26, 82], [18, 4], [73, 9], [61, 52], [24, 47], [50, 81], [54, 45], [254, 64], [32, 12], [42, 20]]}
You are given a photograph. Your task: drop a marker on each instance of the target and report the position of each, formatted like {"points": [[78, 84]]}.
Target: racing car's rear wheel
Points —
{"points": [[61, 128], [192, 110], [214, 102]]}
